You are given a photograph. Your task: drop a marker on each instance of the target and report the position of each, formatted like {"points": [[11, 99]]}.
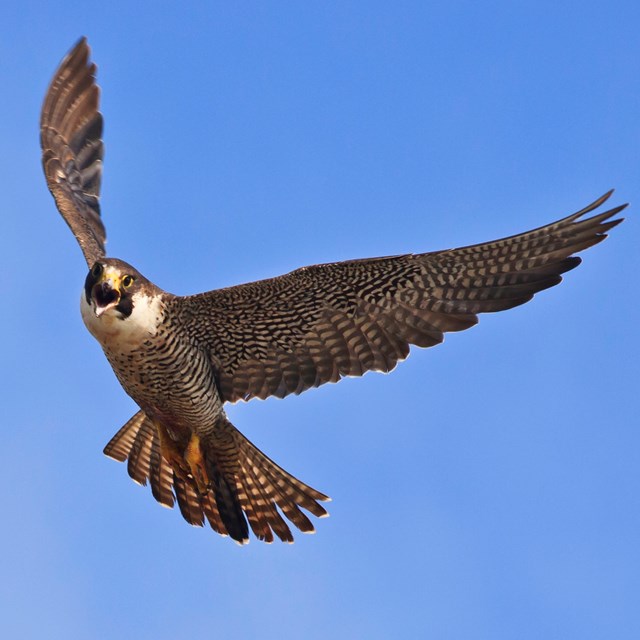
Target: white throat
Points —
{"points": [[113, 331]]}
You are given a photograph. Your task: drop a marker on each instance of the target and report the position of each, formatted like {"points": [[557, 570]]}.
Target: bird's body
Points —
{"points": [[165, 365], [182, 358]]}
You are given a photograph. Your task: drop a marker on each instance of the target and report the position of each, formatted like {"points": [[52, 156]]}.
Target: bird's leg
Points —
{"points": [[171, 452], [195, 460], [188, 462]]}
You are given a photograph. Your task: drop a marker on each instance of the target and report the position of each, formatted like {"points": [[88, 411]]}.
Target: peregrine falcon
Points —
{"points": [[181, 358]]}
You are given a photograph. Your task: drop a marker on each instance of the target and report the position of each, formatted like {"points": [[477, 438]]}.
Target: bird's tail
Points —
{"points": [[243, 481]]}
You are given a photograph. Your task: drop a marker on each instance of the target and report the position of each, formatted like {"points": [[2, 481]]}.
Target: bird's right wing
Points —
{"points": [[321, 323], [72, 149]]}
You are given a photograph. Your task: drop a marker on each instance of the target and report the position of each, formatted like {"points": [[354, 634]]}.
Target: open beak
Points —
{"points": [[105, 296]]}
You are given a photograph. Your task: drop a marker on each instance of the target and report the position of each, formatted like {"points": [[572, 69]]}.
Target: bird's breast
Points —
{"points": [[158, 364]]}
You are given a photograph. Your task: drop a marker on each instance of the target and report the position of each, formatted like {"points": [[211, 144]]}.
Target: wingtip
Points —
{"points": [[601, 200], [595, 205], [81, 47], [622, 207], [611, 225]]}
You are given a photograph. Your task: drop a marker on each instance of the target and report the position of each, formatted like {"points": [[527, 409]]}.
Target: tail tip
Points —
{"points": [[241, 542]]}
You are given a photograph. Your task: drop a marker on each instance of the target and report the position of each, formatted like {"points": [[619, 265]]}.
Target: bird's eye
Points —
{"points": [[96, 270], [127, 281]]}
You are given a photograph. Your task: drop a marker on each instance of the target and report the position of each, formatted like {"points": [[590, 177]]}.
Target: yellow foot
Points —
{"points": [[195, 460]]}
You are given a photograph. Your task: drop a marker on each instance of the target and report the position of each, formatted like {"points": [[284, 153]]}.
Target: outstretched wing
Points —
{"points": [[317, 324], [72, 149]]}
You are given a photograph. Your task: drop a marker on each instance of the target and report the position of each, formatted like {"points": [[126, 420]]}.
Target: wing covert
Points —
{"points": [[72, 148], [321, 323]]}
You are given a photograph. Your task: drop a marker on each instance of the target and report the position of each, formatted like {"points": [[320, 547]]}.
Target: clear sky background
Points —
{"points": [[487, 488]]}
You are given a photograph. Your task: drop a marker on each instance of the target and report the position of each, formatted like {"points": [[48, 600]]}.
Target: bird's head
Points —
{"points": [[111, 286], [119, 303]]}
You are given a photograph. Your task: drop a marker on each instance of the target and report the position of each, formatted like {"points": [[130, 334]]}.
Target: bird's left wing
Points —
{"points": [[320, 323], [72, 149]]}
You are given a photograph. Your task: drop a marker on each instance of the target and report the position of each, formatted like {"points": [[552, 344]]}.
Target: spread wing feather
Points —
{"points": [[72, 149], [321, 323]]}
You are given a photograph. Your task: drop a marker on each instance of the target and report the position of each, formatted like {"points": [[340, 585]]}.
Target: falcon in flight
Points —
{"points": [[182, 358]]}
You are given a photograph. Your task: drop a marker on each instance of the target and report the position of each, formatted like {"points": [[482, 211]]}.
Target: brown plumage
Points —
{"points": [[72, 149], [182, 358]]}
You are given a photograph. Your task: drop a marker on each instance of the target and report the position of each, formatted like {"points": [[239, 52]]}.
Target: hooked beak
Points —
{"points": [[104, 296]]}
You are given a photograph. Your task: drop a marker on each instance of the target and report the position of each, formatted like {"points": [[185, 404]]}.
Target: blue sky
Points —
{"points": [[487, 488]]}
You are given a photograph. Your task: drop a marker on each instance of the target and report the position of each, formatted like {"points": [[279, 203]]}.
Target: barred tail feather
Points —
{"points": [[263, 487], [138, 443], [227, 501], [247, 488]]}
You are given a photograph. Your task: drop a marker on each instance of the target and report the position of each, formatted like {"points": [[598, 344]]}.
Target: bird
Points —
{"points": [[182, 358]]}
